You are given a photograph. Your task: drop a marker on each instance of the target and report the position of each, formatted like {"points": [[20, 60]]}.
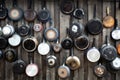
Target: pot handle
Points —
{"points": [[108, 10], [30, 55], [94, 11], [51, 22], [94, 41]]}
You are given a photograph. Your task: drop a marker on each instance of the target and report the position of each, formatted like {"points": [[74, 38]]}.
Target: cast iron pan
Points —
{"points": [[67, 6], [15, 13], [94, 26], [3, 10], [75, 30], [30, 14], [67, 43], [3, 42]]}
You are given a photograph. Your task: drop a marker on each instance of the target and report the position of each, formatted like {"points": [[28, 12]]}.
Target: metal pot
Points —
{"points": [[115, 64], [78, 13], [38, 27], [57, 47], [51, 60]]}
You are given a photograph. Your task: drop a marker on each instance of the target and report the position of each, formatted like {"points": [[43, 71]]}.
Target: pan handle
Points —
{"points": [[108, 10], [94, 11], [93, 44]]}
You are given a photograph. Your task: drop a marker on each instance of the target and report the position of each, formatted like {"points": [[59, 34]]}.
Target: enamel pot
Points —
{"points": [[14, 40], [72, 61], [30, 14], [75, 30], [67, 43], [94, 26], [15, 13], [100, 70], [93, 54], [8, 30], [23, 30], [108, 21], [78, 13], [3, 42], [108, 52], [67, 6], [81, 42], [10, 55], [30, 44], [3, 10], [19, 66], [116, 32]]}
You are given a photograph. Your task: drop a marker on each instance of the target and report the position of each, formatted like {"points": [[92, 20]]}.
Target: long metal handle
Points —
{"points": [[108, 11]]}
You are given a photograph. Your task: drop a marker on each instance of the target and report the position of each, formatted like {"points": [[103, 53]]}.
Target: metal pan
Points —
{"points": [[75, 30], [30, 14], [78, 13], [67, 6], [67, 42], [108, 20], [38, 27], [93, 54], [94, 26]]}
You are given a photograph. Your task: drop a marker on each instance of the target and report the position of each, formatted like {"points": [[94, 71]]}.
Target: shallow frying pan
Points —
{"points": [[94, 26], [108, 52], [72, 61], [67, 6], [93, 54], [108, 21], [75, 30], [3, 10], [100, 70], [63, 70], [67, 42], [3, 42], [10, 55], [81, 42], [30, 14], [78, 13], [15, 13]]}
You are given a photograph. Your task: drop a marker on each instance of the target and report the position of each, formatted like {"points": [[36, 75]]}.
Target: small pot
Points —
{"points": [[67, 7], [81, 42], [57, 47], [30, 44], [115, 64], [23, 30], [15, 40], [8, 30], [38, 27], [75, 30], [51, 60], [10, 55], [100, 70], [78, 13]]}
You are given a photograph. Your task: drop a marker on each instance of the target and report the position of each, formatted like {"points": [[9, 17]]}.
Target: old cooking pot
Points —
{"points": [[81, 42], [30, 14], [14, 40], [115, 33], [3, 10], [75, 30], [10, 55], [63, 71], [108, 21], [67, 6], [8, 30], [67, 43], [93, 54], [108, 52], [100, 70], [57, 47], [15, 13], [94, 26], [72, 61], [78, 13], [30, 44]]}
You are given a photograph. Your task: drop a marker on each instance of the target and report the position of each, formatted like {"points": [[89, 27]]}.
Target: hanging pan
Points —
{"points": [[14, 40], [75, 30], [51, 60], [30, 44], [108, 52], [94, 26], [3, 10], [10, 55], [63, 70], [72, 61], [108, 21], [93, 54], [32, 68], [67, 6], [15, 13], [44, 14], [115, 33], [100, 70], [67, 42], [30, 14], [38, 27], [51, 33]]}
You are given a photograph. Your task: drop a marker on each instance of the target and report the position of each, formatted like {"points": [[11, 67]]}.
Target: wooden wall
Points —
{"points": [[85, 72]]}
